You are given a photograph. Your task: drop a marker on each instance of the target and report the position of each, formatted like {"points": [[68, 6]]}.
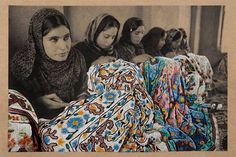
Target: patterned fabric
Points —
{"points": [[22, 124], [197, 76], [113, 118], [186, 126], [119, 114]]}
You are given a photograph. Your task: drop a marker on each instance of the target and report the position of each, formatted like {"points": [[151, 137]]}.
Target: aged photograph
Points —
{"points": [[117, 78]]}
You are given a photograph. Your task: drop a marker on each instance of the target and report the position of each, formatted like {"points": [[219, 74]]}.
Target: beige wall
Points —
{"points": [[79, 17], [168, 17], [163, 16]]}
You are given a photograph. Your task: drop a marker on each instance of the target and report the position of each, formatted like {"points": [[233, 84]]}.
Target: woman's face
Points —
{"points": [[107, 37], [57, 43], [162, 41], [137, 35], [176, 43]]}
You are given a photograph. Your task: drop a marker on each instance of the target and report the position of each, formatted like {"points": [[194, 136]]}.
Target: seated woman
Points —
{"points": [[129, 47], [101, 35], [184, 46], [48, 71], [153, 41], [118, 109], [173, 42]]}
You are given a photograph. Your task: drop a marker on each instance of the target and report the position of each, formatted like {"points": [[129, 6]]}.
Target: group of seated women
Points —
{"points": [[142, 92]]}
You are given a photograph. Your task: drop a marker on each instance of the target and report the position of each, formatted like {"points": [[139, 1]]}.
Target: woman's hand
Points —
{"points": [[52, 101], [141, 58], [104, 59], [171, 54]]}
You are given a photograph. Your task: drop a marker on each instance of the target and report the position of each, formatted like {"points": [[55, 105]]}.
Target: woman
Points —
{"points": [[101, 35], [173, 42], [48, 71], [130, 46], [196, 70], [153, 41], [184, 46]]}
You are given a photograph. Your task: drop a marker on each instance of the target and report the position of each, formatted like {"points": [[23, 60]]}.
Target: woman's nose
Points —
{"points": [[62, 45], [140, 36], [109, 41]]}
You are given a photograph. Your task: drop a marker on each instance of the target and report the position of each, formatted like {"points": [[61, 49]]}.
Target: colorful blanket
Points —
{"points": [[186, 124], [113, 118]]}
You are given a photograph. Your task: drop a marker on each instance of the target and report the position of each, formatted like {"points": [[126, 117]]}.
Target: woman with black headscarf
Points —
{"points": [[47, 70]]}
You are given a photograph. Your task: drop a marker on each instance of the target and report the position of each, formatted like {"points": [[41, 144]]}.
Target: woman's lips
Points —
{"points": [[62, 54]]}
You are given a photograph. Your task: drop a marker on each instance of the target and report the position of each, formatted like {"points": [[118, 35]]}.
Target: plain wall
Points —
{"points": [[166, 17], [79, 17]]}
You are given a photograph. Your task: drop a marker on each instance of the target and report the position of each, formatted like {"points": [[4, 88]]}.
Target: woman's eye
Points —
{"points": [[66, 38], [106, 36], [53, 40]]}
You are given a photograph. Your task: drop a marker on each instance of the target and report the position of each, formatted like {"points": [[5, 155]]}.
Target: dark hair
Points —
{"points": [[53, 21], [177, 36], [151, 39], [183, 33], [130, 25], [106, 23]]}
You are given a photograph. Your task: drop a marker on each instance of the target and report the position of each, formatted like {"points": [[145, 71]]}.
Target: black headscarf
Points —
{"points": [[38, 74], [172, 35]]}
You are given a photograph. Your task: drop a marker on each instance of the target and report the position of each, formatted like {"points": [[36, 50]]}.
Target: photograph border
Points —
{"points": [[4, 39]]}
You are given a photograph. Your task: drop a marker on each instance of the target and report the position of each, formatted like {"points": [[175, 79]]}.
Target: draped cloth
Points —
{"points": [[187, 125], [113, 118]]}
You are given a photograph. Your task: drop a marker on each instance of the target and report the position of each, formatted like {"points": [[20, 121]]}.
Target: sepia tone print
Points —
{"points": [[117, 78]]}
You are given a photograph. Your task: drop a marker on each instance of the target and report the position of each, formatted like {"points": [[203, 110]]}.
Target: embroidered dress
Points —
{"points": [[113, 118], [186, 125], [22, 124]]}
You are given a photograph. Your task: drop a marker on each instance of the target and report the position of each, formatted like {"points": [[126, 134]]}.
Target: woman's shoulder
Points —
{"points": [[123, 46], [79, 45]]}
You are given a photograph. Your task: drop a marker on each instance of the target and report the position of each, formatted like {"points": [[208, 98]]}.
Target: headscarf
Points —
{"points": [[32, 65], [171, 35], [89, 47], [151, 40]]}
